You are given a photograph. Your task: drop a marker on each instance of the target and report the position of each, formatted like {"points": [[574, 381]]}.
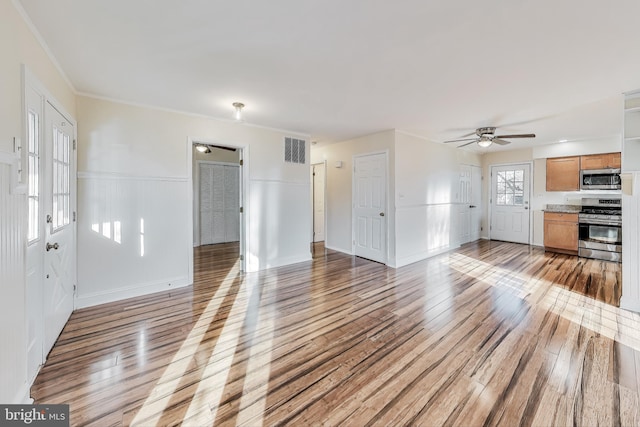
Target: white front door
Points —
{"points": [[59, 230], [318, 202], [35, 224], [510, 214], [370, 206]]}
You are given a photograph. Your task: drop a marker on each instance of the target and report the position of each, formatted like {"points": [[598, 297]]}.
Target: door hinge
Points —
{"points": [[74, 289], [241, 257], [74, 144], [241, 162], [241, 209], [74, 216]]}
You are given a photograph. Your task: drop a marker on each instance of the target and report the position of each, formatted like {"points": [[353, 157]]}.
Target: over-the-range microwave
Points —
{"points": [[600, 179]]}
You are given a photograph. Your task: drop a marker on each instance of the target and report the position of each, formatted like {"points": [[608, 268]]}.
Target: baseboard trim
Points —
{"points": [[131, 292], [401, 262], [23, 396], [333, 248], [279, 262], [630, 304]]}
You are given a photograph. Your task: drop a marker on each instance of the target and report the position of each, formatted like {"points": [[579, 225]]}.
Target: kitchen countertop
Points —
{"points": [[563, 208]]}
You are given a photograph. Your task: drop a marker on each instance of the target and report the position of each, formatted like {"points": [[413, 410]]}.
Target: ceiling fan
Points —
{"points": [[486, 136]]}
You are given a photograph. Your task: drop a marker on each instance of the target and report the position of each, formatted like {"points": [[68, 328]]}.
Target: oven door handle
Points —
{"points": [[596, 222]]}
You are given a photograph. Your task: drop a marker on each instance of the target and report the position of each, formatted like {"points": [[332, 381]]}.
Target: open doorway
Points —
{"points": [[218, 199]]}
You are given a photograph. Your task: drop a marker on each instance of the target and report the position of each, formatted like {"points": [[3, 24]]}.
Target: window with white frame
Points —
{"points": [[33, 181], [61, 175]]}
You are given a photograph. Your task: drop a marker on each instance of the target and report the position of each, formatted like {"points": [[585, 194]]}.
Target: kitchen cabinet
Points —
{"points": [[600, 161], [561, 232], [563, 173]]}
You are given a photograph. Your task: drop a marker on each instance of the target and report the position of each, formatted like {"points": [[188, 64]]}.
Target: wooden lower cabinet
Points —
{"points": [[561, 232]]}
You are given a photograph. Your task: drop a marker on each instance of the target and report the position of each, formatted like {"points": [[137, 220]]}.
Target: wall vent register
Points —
{"points": [[294, 150]]}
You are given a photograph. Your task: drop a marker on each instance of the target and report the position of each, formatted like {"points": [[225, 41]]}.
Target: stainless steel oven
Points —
{"points": [[600, 229], [600, 179]]}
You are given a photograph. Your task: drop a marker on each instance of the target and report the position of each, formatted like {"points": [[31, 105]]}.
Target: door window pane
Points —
{"points": [[510, 188], [33, 180], [61, 171]]}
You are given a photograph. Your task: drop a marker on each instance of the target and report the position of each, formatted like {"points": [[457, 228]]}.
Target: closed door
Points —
{"points": [[464, 206], [59, 202], [219, 203], [469, 203], [510, 203], [35, 226], [370, 204], [318, 202], [476, 203]]}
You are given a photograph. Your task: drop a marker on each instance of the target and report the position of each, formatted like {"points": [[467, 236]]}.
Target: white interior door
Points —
{"points": [[59, 201], [476, 203], [35, 226], [469, 203], [464, 204], [510, 214], [318, 202], [219, 191], [369, 206]]}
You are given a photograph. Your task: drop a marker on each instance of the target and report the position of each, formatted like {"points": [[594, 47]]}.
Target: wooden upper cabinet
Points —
{"points": [[600, 161], [563, 174]]}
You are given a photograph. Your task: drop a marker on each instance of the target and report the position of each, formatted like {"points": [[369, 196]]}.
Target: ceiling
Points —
{"points": [[341, 69]]}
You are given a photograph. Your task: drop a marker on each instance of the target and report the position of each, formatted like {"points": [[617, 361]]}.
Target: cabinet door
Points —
{"points": [[600, 161], [563, 174], [561, 235], [615, 160], [594, 161]]}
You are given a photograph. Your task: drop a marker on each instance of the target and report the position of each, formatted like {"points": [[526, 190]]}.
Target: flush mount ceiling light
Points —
{"points": [[237, 114]]}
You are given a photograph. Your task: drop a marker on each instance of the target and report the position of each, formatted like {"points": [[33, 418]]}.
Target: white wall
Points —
{"points": [[135, 163], [338, 189], [17, 46], [427, 199]]}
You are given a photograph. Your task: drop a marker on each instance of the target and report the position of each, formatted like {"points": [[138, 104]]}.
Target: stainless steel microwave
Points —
{"points": [[600, 179]]}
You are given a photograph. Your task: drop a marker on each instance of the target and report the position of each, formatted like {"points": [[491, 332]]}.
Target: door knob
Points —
{"points": [[472, 206], [381, 213], [50, 246]]}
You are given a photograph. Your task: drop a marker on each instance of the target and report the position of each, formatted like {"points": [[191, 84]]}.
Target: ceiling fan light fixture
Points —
{"points": [[484, 142], [202, 148], [237, 113]]}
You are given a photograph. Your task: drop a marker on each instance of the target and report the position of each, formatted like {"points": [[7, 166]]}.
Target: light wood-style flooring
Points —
{"points": [[490, 334]]}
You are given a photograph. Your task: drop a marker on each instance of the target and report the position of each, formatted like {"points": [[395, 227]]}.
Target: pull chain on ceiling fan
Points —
{"points": [[486, 136]]}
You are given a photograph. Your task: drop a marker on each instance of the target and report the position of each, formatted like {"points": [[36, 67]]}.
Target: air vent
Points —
{"points": [[294, 150]]}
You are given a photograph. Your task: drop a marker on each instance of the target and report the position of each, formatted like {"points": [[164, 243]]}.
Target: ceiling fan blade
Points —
{"points": [[460, 140], [522, 135], [464, 145], [500, 141]]}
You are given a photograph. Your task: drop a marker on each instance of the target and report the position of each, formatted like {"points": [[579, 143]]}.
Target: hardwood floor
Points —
{"points": [[490, 334]]}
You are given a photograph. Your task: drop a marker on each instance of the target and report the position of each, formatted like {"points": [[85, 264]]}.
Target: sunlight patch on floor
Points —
{"points": [[151, 411]]}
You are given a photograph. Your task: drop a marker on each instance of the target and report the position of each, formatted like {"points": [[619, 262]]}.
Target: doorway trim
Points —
{"points": [[387, 202], [490, 189], [244, 200]]}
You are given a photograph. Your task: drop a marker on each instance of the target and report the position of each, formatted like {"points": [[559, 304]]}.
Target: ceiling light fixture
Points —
{"points": [[203, 148], [237, 114], [484, 142], [563, 140]]}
